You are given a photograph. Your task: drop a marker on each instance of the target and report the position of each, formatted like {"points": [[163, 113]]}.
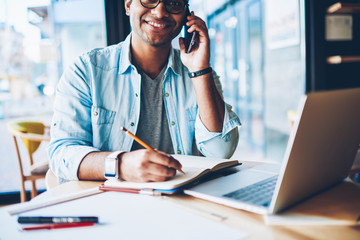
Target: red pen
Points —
{"points": [[130, 190], [58, 226]]}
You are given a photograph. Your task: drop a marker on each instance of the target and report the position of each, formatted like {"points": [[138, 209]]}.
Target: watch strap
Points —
{"points": [[113, 158], [114, 154], [200, 72]]}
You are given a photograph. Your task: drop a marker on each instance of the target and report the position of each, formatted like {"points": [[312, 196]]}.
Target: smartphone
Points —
{"points": [[189, 38]]}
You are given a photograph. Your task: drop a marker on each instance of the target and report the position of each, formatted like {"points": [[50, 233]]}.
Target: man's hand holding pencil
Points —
{"points": [[147, 165]]}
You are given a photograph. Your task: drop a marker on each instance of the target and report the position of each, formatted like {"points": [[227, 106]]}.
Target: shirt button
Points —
{"points": [[178, 151], [96, 113], [173, 123], [136, 95], [132, 124], [166, 94]]}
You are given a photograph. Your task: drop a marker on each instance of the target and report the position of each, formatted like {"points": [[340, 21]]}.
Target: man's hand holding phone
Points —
{"points": [[199, 56]]}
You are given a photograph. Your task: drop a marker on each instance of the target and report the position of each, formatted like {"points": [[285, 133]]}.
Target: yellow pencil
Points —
{"points": [[142, 143]]}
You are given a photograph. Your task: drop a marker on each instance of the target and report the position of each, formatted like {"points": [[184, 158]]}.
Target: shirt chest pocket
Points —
{"points": [[102, 116], [102, 122]]}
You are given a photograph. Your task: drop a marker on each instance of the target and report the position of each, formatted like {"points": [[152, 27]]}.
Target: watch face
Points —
{"points": [[110, 167]]}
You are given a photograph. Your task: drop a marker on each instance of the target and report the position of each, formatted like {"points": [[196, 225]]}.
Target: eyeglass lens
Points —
{"points": [[172, 6]]}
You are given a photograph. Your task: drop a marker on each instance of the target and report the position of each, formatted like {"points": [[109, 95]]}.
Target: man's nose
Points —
{"points": [[160, 10]]}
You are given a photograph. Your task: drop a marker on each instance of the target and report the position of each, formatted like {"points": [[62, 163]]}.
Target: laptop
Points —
{"points": [[320, 152]]}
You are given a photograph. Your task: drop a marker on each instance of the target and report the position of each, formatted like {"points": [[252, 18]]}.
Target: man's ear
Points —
{"points": [[127, 7]]}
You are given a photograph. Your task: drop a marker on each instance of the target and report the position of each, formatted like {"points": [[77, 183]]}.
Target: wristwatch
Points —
{"points": [[111, 165]]}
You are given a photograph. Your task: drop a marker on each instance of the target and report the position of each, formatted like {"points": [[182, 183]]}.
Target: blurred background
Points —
{"points": [[264, 50], [38, 39]]}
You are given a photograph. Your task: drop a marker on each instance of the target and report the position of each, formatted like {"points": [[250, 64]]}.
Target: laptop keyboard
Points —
{"points": [[259, 193]]}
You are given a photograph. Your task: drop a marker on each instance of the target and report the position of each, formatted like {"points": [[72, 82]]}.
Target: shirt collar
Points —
{"points": [[125, 56], [176, 68]]}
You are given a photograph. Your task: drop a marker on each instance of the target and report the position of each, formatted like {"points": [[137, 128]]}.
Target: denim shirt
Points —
{"points": [[100, 93]]}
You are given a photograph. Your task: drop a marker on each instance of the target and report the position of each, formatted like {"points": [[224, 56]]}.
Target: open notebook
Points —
{"points": [[194, 167]]}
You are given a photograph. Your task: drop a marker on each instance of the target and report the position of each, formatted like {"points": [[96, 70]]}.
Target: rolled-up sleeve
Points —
{"points": [[218, 144], [71, 130]]}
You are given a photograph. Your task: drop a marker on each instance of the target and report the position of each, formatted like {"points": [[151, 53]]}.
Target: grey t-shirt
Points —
{"points": [[153, 125]]}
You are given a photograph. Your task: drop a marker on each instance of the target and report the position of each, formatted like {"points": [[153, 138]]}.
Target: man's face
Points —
{"points": [[155, 26]]}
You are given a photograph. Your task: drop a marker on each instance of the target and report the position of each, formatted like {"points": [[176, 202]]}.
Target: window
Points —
{"points": [[38, 39], [257, 49]]}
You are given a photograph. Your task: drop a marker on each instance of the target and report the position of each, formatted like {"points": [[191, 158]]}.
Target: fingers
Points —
{"points": [[147, 166], [158, 166], [165, 159], [196, 24], [157, 173]]}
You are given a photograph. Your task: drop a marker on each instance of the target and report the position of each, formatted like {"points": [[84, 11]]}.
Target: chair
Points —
{"points": [[31, 134]]}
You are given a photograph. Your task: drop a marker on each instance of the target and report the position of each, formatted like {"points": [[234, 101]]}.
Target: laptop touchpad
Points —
{"points": [[228, 183]]}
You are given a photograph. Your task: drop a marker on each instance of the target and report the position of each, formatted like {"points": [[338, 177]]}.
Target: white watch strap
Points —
{"points": [[112, 171], [114, 154]]}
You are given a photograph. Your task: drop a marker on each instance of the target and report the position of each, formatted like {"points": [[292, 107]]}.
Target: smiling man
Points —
{"points": [[171, 99]]}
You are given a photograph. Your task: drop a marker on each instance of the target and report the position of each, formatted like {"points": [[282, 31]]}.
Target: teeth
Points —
{"points": [[157, 24]]}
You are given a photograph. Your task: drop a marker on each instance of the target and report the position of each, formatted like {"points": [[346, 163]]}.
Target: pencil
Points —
{"points": [[142, 143], [150, 192]]}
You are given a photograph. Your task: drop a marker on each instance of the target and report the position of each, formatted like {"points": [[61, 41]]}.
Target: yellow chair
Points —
{"points": [[31, 134]]}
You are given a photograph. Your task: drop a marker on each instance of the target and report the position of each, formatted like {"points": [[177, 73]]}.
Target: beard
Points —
{"points": [[156, 38]]}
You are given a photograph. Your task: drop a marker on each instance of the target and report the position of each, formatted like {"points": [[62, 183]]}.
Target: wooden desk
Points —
{"points": [[253, 223]]}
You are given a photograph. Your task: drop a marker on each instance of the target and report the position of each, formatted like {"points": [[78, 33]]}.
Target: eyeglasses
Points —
{"points": [[171, 6]]}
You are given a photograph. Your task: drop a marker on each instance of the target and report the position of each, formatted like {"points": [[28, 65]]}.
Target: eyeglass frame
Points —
{"points": [[186, 4]]}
